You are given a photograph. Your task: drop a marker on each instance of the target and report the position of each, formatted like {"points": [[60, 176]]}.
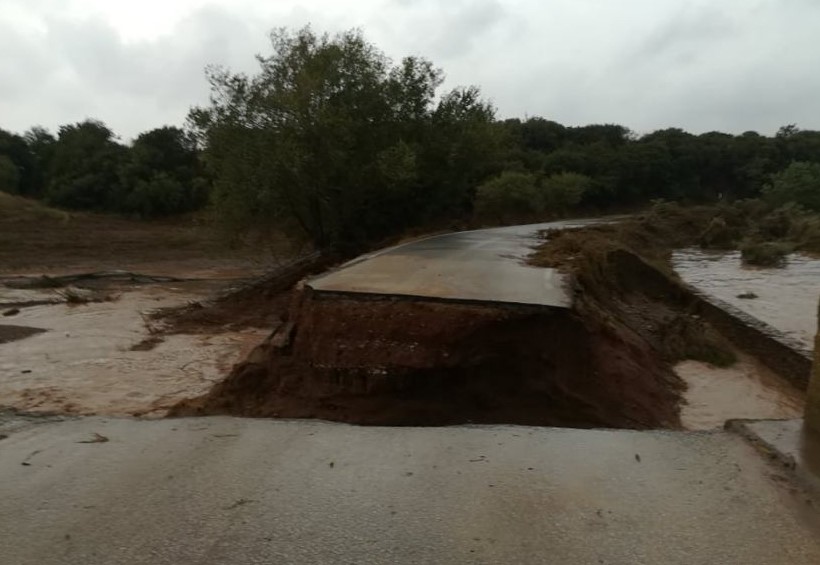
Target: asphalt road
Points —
{"points": [[483, 265], [224, 490]]}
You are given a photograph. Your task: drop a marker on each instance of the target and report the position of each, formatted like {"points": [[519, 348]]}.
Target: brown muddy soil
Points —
{"points": [[36, 239], [260, 303], [401, 362]]}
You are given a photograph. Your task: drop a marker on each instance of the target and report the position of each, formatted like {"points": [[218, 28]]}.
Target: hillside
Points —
{"points": [[36, 237]]}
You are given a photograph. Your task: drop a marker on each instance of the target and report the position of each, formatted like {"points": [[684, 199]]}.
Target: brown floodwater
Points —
{"points": [[786, 297], [746, 390], [84, 363], [786, 300]]}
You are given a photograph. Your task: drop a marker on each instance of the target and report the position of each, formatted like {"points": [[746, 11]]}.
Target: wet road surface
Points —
{"points": [[482, 265], [239, 491]]}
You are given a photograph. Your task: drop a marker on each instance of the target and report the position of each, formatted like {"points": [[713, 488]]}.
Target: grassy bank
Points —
{"points": [[36, 237]]}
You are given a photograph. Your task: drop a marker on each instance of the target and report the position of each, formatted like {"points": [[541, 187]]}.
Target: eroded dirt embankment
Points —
{"points": [[402, 362], [608, 362]]}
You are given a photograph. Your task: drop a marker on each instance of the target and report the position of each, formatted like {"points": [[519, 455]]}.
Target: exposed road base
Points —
{"points": [[355, 359]]}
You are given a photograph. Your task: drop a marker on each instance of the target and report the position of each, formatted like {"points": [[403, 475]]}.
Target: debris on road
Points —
{"points": [[98, 438]]}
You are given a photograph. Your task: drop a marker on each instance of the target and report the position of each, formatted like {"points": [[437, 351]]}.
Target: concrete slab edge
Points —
{"points": [[382, 296], [804, 477]]}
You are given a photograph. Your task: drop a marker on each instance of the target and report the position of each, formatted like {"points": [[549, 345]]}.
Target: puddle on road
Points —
{"points": [[786, 298], [84, 364]]}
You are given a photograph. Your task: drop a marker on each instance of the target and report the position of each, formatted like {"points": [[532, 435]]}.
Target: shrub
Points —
{"points": [[509, 197], [765, 254], [562, 192], [798, 183], [718, 235], [804, 232], [9, 175]]}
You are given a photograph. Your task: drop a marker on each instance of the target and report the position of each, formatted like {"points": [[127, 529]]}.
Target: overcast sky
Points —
{"points": [[729, 65]]}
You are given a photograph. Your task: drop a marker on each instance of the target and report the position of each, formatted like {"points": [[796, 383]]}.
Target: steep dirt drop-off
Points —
{"points": [[401, 362]]}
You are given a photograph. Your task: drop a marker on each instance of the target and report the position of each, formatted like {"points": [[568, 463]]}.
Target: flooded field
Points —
{"points": [[105, 357], [786, 298]]}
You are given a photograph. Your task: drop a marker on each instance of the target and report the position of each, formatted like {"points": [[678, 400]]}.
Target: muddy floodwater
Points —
{"points": [[746, 390], [85, 360], [786, 297]]}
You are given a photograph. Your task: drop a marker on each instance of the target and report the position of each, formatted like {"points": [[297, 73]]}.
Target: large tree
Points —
{"points": [[41, 145], [84, 171], [18, 171], [161, 175], [334, 142]]}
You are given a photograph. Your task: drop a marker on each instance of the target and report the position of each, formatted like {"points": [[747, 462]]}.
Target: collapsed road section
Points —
{"points": [[395, 361], [450, 329], [460, 328]]}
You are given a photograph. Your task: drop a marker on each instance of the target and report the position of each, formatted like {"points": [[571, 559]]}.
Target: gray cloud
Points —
{"points": [[734, 65]]}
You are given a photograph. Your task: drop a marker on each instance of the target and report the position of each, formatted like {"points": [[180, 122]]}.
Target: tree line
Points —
{"points": [[85, 167], [333, 142]]}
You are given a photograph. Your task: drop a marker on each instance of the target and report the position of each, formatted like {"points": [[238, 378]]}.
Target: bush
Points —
{"points": [[509, 197], [718, 235], [765, 254], [798, 183], [791, 224], [562, 192], [9, 176], [778, 223], [159, 196], [804, 232]]}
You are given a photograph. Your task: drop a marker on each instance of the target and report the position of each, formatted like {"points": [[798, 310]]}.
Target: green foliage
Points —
{"points": [[798, 183], [515, 196], [719, 235], [41, 145], [161, 175], [562, 192], [509, 197], [9, 176], [22, 178], [87, 168], [160, 195], [765, 253], [84, 167], [334, 143], [804, 233]]}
